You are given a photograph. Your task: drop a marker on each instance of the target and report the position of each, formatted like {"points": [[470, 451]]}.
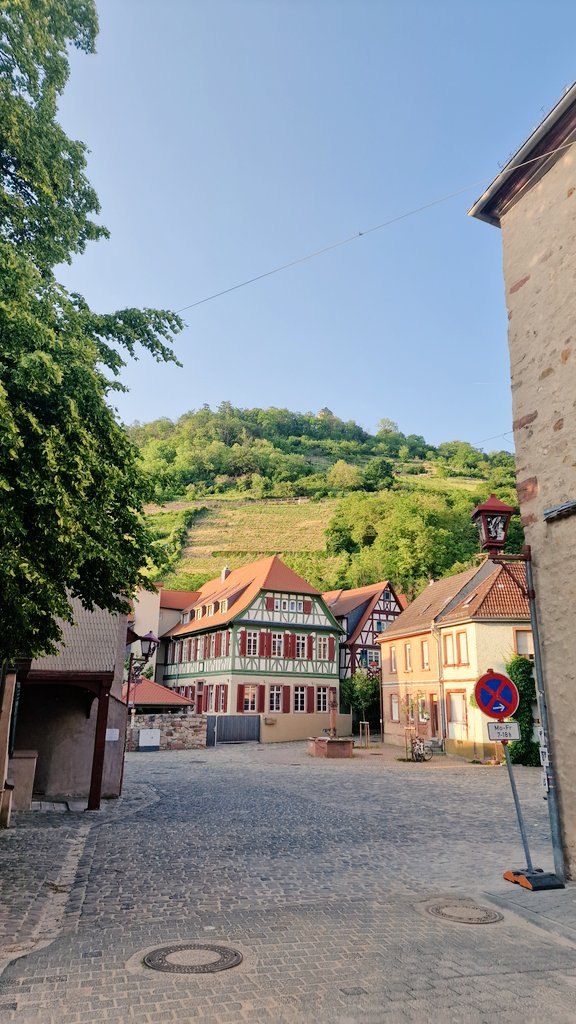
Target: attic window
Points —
{"points": [[387, 595], [185, 618], [470, 599], [223, 606], [210, 609]]}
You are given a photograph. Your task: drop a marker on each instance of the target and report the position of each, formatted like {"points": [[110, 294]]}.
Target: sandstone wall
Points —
{"points": [[539, 236], [177, 732]]}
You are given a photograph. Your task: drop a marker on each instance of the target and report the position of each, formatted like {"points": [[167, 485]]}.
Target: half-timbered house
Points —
{"points": [[363, 614], [257, 650]]}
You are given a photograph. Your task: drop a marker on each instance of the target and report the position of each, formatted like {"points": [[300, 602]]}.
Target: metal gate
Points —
{"points": [[238, 728], [211, 731]]}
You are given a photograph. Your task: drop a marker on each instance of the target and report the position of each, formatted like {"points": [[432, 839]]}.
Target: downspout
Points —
{"points": [[443, 724], [13, 720]]}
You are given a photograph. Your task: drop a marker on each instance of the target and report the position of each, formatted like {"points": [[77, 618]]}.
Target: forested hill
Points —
{"points": [[281, 454], [341, 506]]}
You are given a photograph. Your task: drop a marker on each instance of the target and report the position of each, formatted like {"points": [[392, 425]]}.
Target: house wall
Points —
{"points": [[539, 238], [60, 723], [277, 728]]}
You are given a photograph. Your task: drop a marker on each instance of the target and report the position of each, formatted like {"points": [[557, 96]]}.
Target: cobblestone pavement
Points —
{"points": [[318, 872]]}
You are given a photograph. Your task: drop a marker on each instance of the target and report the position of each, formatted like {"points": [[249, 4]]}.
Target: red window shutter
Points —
{"points": [[218, 645], [199, 703], [225, 700], [227, 635], [286, 700], [262, 643], [192, 693], [307, 607], [240, 699], [331, 648], [287, 639], [268, 650], [310, 647], [269, 604], [261, 705], [243, 643], [195, 650], [293, 646], [310, 699]]}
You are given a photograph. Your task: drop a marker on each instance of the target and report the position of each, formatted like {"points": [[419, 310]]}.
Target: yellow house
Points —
{"points": [[432, 656]]}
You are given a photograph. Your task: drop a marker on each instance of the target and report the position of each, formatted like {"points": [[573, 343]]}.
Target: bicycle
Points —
{"points": [[421, 751]]}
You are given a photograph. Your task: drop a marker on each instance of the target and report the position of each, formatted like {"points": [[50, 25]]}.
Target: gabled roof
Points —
{"points": [[502, 595], [342, 602], [420, 615], [148, 692], [240, 587], [177, 599]]}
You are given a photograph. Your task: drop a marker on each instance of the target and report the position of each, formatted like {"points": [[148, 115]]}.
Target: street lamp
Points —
{"points": [[492, 519], [148, 645]]}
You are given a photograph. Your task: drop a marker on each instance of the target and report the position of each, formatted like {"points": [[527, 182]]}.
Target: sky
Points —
{"points": [[228, 137]]}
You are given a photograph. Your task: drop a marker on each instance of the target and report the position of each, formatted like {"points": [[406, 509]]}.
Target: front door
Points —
{"points": [[434, 720]]}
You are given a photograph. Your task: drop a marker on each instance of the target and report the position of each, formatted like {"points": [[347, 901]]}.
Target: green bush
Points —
{"points": [[525, 750]]}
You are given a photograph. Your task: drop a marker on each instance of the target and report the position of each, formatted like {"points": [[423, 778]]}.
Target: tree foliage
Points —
{"points": [[361, 692], [72, 488]]}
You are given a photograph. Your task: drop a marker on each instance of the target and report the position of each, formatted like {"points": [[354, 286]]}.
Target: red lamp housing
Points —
{"points": [[492, 519]]}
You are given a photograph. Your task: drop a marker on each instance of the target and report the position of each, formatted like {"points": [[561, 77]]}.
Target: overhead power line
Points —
{"points": [[367, 231]]}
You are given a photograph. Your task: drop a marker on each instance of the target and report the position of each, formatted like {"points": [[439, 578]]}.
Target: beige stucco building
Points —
{"points": [[533, 201], [435, 652]]}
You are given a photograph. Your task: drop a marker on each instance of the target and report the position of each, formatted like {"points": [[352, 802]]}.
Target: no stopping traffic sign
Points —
{"points": [[496, 695]]}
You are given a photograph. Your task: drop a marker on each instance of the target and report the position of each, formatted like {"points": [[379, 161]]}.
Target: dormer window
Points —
{"points": [[185, 618], [223, 606], [210, 609]]}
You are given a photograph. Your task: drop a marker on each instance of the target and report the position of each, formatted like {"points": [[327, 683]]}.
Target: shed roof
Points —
{"points": [[148, 692]]}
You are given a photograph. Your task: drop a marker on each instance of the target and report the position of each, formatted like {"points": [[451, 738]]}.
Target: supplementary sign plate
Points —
{"points": [[496, 695], [500, 731]]}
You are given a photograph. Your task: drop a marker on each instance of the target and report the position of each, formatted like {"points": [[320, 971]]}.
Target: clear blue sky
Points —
{"points": [[230, 136]]}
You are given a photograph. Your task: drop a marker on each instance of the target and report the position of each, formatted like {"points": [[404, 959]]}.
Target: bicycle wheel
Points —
{"points": [[426, 752]]}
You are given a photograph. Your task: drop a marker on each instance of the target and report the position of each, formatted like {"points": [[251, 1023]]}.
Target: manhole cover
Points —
{"points": [[463, 912], [192, 958]]}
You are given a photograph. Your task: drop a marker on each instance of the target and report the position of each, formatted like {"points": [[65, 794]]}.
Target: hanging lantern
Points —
{"points": [[492, 519]]}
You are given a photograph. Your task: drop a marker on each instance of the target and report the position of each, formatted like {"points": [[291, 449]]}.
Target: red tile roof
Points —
{"points": [[419, 616], [342, 602], [148, 692], [177, 599], [240, 588], [502, 595]]}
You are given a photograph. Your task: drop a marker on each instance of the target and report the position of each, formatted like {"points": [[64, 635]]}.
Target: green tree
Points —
{"points": [[343, 477], [72, 488], [361, 692]]}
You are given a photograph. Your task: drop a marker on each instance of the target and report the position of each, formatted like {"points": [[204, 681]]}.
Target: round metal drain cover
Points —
{"points": [[192, 958], [463, 912]]}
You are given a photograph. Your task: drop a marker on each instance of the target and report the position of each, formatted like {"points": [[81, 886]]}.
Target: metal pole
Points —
{"points": [[521, 824], [553, 807]]}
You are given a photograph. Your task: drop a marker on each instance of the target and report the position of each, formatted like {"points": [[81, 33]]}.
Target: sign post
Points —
{"points": [[498, 698]]}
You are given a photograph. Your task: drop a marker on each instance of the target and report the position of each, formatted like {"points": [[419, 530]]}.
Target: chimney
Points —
{"points": [[224, 574]]}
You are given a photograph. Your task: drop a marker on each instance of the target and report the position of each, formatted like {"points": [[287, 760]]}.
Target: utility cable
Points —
{"points": [[369, 231]]}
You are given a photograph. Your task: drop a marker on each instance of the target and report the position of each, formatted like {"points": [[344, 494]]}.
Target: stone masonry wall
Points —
{"points": [[177, 732], [539, 237]]}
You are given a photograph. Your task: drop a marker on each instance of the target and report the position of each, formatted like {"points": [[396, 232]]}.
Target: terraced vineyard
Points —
{"points": [[233, 533]]}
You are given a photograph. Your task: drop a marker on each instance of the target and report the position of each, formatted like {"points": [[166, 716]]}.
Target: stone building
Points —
{"points": [[533, 201]]}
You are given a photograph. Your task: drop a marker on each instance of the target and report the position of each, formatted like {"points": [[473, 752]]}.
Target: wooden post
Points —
{"points": [[99, 748], [7, 687]]}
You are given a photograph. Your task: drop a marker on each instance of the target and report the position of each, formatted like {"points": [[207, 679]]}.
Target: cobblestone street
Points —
{"points": [[318, 872]]}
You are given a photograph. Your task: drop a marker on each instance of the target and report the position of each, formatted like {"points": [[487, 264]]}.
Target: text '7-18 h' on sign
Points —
{"points": [[503, 731]]}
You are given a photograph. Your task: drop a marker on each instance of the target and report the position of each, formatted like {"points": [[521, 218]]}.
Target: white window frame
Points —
{"points": [[459, 652], [251, 643], [212, 645], [277, 645], [300, 606], [425, 654], [322, 698], [423, 714], [393, 661], [221, 695], [448, 645], [301, 646], [394, 707], [284, 605], [299, 699], [275, 699], [250, 694], [407, 657], [322, 648]]}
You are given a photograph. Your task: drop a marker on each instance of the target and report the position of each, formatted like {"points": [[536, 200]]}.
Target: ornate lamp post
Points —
{"points": [[492, 519], [148, 645]]}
